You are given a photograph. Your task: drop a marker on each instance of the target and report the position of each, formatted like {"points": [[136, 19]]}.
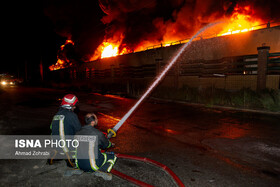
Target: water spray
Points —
{"points": [[112, 132]]}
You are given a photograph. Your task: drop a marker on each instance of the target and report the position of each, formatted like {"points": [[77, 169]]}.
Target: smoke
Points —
{"points": [[139, 23], [78, 21], [145, 21]]}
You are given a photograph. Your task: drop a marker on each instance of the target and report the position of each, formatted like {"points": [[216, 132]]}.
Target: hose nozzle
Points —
{"points": [[111, 133]]}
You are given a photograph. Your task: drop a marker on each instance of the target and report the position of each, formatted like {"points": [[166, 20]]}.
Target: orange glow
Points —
{"points": [[111, 96], [114, 97], [110, 117], [170, 131], [109, 50], [61, 63], [232, 128], [232, 132], [242, 20], [69, 42], [166, 45], [62, 47]]}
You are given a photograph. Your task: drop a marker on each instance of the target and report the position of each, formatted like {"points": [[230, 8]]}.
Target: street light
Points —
{"points": [[4, 83]]}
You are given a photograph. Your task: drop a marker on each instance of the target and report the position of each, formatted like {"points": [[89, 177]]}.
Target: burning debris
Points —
{"points": [[62, 59], [133, 26]]}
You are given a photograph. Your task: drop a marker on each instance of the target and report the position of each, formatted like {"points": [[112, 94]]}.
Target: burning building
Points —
{"points": [[141, 38]]}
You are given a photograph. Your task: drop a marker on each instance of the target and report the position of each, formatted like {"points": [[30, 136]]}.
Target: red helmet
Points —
{"points": [[69, 100]]}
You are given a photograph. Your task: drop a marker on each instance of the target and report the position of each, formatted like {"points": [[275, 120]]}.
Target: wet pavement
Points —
{"points": [[203, 146]]}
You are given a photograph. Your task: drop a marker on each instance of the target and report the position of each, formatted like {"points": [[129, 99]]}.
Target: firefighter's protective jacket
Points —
{"points": [[65, 122], [99, 159], [103, 142], [64, 126]]}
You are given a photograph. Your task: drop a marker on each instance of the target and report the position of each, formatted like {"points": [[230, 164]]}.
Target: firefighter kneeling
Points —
{"points": [[97, 162]]}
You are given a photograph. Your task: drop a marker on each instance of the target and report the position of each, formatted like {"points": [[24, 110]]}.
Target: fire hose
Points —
{"points": [[112, 132], [150, 161]]}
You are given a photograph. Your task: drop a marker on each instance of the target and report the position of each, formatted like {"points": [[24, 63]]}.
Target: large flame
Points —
{"points": [[242, 20], [109, 48]]}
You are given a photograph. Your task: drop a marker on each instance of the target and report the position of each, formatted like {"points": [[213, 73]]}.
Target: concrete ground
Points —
{"points": [[203, 146]]}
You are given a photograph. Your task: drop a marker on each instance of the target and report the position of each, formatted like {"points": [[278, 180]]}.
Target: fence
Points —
{"points": [[273, 66], [238, 65], [231, 73]]}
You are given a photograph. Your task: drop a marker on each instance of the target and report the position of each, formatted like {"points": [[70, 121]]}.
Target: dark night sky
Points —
{"points": [[25, 29], [30, 33]]}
